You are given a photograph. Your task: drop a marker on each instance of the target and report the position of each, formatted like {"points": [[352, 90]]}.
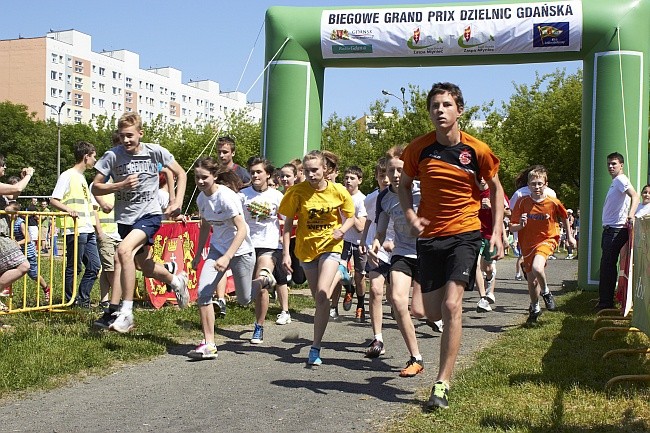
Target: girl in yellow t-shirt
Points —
{"points": [[318, 204]]}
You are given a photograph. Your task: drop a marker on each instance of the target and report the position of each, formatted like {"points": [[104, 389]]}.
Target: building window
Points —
{"points": [[78, 66], [101, 87], [173, 96], [128, 82], [53, 92], [55, 58], [68, 96], [78, 82], [102, 71], [93, 84], [53, 75], [60, 76], [100, 102], [93, 101], [69, 79]]}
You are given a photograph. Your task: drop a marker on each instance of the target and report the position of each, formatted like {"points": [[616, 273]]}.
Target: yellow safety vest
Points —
{"points": [[107, 220], [78, 199]]}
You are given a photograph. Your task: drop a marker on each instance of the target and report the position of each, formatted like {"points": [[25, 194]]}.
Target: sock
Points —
{"points": [[418, 357], [113, 308], [535, 307], [316, 348], [360, 301], [127, 307], [379, 337], [546, 290]]}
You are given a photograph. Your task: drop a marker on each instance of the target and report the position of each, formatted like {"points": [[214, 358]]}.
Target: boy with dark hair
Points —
{"points": [[226, 148], [133, 166], [448, 163], [71, 195]]}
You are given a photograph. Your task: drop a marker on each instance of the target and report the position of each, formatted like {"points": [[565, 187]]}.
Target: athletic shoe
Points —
{"points": [[569, 257], [549, 301], [104, 305], [375, 349], [258, 334], [181, 293], [439, 398], [314, 357], [6, 292], [519, 278], [533, 315], [346, 280], [270, 279], [436, 326], [203, 351], [334, 315], [347, 301], [413, 367], [552, 258], [123, 323], [284, 318], [360, 315], [46, 295], [221, 305], [483, 306], [171, 268], [106, 320]]}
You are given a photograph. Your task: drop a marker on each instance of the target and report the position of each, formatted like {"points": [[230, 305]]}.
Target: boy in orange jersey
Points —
{"points": [[449, 163], [535, 217]]}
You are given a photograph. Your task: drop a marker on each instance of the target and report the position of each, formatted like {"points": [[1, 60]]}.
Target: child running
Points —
{"points": [[535, 218], [319, 204], [261, 203], [403, 265], [230, 245], [133, 166]]}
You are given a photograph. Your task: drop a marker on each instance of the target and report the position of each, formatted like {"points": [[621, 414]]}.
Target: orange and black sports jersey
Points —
{"points": [[449, 177], [542, 221]]}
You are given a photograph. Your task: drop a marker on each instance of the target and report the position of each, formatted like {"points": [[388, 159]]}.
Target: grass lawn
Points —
{"points": [[41, 350], [546, 378]]}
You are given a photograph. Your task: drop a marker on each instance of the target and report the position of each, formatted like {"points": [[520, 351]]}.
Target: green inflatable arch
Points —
{"points": [[612, 39]]}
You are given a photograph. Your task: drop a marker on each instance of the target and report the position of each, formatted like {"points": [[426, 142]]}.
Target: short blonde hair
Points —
{"points": [[130, 119]]}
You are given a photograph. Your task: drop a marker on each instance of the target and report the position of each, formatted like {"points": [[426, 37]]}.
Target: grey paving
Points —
{"points": [[269, 387]]}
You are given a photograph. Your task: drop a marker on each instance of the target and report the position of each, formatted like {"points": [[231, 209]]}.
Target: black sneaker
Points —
{"points": [[375, 349], [106, 320], [549, 300], [439, 398], [533, 315]]}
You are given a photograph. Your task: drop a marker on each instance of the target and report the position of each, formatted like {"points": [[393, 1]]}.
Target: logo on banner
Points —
{"points": [[414, 42], [551, 34], [475, 43], [339, 34]]}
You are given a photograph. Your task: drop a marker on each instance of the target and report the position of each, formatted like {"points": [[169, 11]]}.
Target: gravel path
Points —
{"points": [[269, 387]]}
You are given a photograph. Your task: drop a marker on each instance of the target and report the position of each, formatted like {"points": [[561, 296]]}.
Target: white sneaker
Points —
{"points": [[483, 306], [284, 318], [123, 323], [569, 257], [490, 297], [181, 292], [203, 351]]}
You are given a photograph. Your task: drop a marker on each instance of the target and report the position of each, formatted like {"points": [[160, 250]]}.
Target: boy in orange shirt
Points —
{"points": [[536, 219]]}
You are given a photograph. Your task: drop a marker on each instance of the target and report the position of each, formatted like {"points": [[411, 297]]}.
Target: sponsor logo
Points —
{"points": [[418, 42], [351, 49], [465, 157], [467, 41], [339, 34], [551, 34], [361, 34]]}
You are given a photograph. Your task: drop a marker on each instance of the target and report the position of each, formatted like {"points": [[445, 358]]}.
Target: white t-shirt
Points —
{"points": [[617, 202], [371, 206], [352, 235], [63, 186], [218, 210], [642, 210], [261, 213]]}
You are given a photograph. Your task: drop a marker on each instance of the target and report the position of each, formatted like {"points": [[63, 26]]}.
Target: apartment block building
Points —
{"points": [[61, 67]]}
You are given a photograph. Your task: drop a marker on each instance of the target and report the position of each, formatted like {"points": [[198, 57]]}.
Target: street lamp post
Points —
{"points": [[402, 99], [58, 127]]}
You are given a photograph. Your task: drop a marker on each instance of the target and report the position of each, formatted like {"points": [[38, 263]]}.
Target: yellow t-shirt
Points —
{"points": [[319, 214]]}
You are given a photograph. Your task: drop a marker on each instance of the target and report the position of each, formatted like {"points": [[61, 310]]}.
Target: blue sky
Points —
{"points": [[213, 40]]}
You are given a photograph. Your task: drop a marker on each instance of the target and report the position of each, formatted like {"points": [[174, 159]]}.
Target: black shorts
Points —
{"points": [[406, 265], [382, 269], [351, 250], [279, 273], [447, 258]]}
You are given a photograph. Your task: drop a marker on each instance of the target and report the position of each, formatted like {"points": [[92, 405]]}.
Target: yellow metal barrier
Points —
{"points": [[28, 295]]}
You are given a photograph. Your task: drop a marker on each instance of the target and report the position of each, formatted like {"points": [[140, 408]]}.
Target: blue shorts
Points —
{"points": [[149, 224]]}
